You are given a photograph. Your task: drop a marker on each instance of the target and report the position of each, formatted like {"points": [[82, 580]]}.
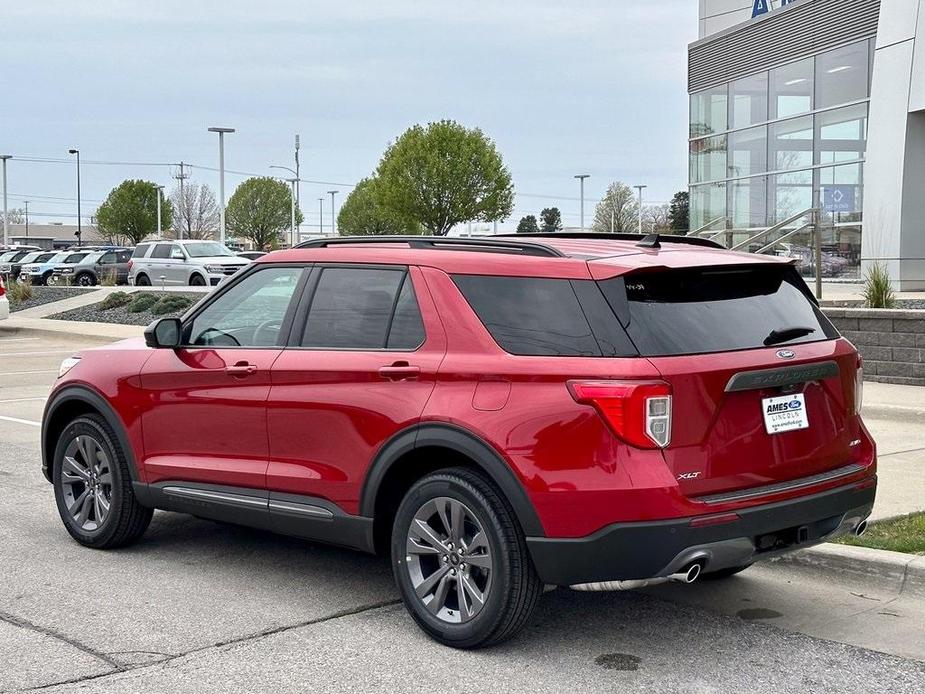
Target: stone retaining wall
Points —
{"points": [[892, 342]]}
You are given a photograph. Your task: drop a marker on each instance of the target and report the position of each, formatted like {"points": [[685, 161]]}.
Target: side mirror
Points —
{"points": [[163, 333]]}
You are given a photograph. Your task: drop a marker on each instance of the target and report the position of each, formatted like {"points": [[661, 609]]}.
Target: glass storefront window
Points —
{"points": [[841, 75], [708, 111], [841, 135], [790, 193], [791, 89], [791, 144], [748, 200], [708, 203], [748, 152], [840, 193], [748, 101], [708, 159]]}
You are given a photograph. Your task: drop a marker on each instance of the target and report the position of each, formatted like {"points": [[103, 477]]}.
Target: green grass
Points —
{"points": [[904, 534]]}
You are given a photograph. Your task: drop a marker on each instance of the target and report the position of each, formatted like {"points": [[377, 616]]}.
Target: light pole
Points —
{"points": [[79, 226], [640, 189], [332, 193], [221, 178], [295, 199], [293, 238], [298, 199], [160, 193], [6, 231], [321, 216], [27, 219], [581, 181]]}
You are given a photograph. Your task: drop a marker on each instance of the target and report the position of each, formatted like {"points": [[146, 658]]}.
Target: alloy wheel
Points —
{"points": [[86, 481], [449, 560]]}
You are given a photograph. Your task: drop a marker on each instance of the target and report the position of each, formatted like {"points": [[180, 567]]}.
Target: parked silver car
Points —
{"points": [[196, 263]]}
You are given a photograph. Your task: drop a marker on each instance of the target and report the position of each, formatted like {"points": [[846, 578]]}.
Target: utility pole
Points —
{"points": [[160, 196], [298, 198], [332, 193], [640, 189], [180, 177], [581, 180], [27, 220], [6, 221], [79, 227], [294, 239], [321, 215]]}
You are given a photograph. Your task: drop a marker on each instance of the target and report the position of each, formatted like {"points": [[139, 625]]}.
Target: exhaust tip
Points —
{"points": [[693, 573], [861, 529]]}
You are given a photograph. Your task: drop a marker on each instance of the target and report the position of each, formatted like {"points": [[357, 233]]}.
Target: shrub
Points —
{"points": [[18, 292], [142, 301], [115, 300], [171, 304], [108, 278], [878, 291]]}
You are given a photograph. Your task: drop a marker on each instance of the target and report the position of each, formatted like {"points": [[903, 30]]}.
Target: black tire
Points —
{"points": [[197, 281], [44, 279], [126, 520], [142, 280], [514, 590], [723, 573], [85, 279]]}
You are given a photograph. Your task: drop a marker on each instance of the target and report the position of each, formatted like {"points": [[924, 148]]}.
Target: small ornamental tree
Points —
{"points": [[552, 220], [260, 211], [362, 214], [527, 225], [130, 211]]}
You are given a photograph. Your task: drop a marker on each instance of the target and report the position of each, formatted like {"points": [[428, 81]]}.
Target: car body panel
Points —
{"points": [[179, 268]]}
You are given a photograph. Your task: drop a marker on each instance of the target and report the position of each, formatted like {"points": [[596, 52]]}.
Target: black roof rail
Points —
{"points": [[600, 236], [455, 243]]}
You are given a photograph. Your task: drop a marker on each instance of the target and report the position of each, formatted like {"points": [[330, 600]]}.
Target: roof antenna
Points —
{"points": [[650, 241]]}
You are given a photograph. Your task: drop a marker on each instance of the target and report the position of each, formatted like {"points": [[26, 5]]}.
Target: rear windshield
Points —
{"points": [[692, 311]]}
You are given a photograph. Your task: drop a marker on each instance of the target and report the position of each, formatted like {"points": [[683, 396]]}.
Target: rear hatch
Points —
{"points": [[763, 391]]}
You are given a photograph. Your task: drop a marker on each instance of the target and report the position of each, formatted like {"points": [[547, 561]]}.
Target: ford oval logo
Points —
{"points": [[786, 353]]}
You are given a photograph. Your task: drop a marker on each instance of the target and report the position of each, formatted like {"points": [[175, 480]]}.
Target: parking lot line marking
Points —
{"points": [[17, 420], [17, 373], [24, 400]]}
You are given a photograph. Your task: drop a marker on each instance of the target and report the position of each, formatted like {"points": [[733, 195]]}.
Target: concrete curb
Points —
{"points": [[102, 332], [906, 571]]}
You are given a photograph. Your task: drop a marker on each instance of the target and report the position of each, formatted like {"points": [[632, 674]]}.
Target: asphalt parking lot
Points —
{"points": [[198, 606]]}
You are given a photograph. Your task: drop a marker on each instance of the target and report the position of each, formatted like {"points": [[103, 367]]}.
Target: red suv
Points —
{"points": [[499, 414]]}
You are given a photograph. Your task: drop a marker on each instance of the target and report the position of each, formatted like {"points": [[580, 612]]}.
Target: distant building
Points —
{"points": [[813, 103], [52, 235]]}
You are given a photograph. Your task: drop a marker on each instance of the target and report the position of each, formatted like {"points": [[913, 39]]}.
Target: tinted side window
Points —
{"points": [[161, 250], [123, 256], [530, 316], [107, 258], [351, 308], [407, 331], [140, 250]]}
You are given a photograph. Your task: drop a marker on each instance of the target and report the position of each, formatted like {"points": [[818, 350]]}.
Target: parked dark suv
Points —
{"points": [[496, 414], [95, 267]]}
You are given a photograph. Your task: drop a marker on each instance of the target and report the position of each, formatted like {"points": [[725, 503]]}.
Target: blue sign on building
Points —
{"points": [[761, 7], [838, 199]]}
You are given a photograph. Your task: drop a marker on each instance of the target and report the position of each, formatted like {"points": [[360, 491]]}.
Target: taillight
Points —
{"points": [[129, 266], [2, 287], [637, 412]]}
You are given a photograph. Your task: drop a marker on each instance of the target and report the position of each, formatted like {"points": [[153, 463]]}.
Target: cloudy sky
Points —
{"points": [[586, 86]]}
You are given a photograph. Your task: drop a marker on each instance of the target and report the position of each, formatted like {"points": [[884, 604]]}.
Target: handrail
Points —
{"points": [[772, 229], [783, 238], [705, 227]]}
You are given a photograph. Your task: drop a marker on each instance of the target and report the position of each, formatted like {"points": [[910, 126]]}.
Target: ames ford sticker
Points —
{"points": [[785, 413]]}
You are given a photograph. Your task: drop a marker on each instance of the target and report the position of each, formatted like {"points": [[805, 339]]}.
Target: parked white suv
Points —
{"points": [[196, 263]]}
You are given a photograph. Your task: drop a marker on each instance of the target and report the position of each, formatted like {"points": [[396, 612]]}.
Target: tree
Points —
{"points": [[196, 213], [363, 214], [679, 213], [527, 225], [444, 174], [14, 215], [130, 212], [260, 210], [655, 219], [552, 220], [618, 211]]}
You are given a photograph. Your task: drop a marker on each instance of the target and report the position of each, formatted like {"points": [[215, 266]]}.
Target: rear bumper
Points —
{"points": [[628, 551]]}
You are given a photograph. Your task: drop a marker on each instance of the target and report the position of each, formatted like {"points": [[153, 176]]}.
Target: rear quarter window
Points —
{"points": [[716, 309], [141, 250]]}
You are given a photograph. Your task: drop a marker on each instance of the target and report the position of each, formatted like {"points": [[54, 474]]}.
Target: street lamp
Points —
{"points": [[6, 232], [160, 195], [221, 177], [79, 227], [293, 238], [27, 219], [321, 216], [332, 193], [581, 179], [640, 189], [295, 185]]}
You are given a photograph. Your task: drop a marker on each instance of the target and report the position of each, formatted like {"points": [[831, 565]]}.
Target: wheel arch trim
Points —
{"points": [[462, 441], [86, 396]]}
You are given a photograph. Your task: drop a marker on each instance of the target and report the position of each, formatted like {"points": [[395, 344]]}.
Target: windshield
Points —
{"points": [[206, 249]]}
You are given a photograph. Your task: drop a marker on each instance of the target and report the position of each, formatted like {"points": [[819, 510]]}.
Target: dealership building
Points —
{"points": [[813, 104]]}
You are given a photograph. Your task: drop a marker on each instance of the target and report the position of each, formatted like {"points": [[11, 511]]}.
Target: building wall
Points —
{"points": [[717, 15]]}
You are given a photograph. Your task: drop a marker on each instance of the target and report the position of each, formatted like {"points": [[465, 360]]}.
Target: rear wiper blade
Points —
{"points": [[786, 334]]}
